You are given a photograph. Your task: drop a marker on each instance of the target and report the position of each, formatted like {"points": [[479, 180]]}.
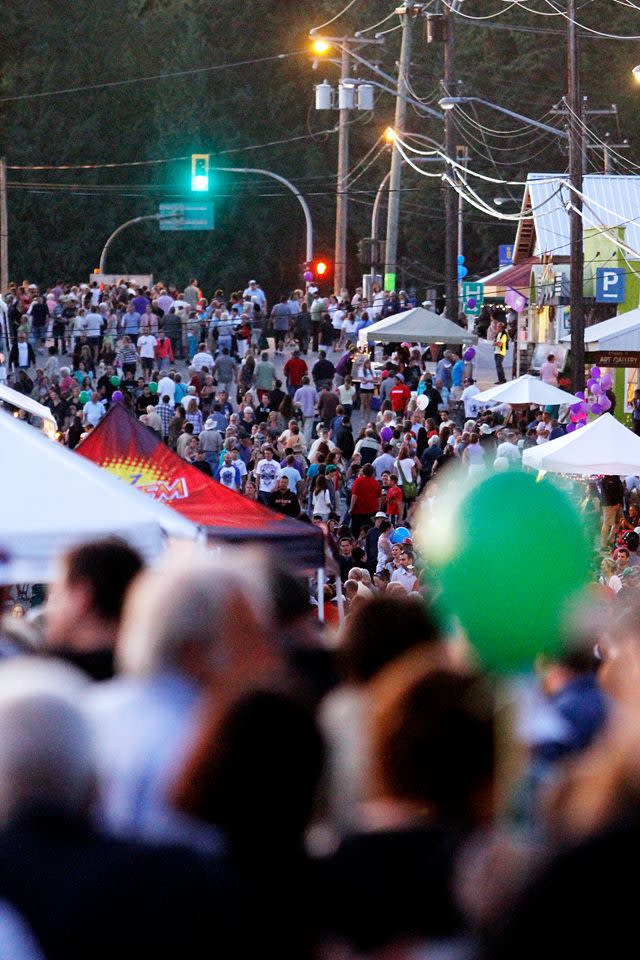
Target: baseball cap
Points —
{"points": [[399, 377]]}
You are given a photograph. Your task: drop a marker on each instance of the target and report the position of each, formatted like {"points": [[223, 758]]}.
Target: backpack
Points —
{"points": [[409, 487]]}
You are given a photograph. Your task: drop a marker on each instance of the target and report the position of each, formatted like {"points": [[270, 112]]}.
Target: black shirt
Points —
{"points": [[285, 502]]}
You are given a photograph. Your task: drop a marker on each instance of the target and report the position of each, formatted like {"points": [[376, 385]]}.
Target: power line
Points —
{"points": [[159, 76]]}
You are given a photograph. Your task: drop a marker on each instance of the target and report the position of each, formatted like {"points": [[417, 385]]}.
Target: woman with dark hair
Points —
{"points": [[430, 788]]}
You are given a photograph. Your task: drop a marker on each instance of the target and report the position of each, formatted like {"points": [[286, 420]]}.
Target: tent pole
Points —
{"points": [[321, 594], [340, 598]]}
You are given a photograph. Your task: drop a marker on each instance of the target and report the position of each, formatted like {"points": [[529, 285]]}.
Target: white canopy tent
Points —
{"points": [[604, 446], [526, 390], [51, 499], [417, 326], [29, 405]]}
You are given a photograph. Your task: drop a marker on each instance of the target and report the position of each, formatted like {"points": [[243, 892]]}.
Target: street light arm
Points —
{"points": [[449, 102], [123, 226]]}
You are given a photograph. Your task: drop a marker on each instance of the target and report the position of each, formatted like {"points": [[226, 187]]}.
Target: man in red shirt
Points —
{"points": [[365, 499], [294, 370], [399, 395]]}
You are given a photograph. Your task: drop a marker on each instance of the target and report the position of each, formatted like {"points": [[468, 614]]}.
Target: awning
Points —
{"points": [[126, 448]]}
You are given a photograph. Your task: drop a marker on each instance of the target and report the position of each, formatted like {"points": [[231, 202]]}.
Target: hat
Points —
{"points": [[380, 514], [399, 377], [486, 429], [384, 374], [210, 424]]}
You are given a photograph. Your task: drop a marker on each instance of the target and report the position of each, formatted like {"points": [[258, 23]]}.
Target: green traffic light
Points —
{"points": [[200, 172]]}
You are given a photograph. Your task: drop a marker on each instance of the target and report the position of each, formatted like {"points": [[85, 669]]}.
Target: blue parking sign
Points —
{"points": [[610, 284]]}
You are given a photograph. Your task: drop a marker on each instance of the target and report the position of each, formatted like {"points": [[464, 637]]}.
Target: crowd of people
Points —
{"points": [[191, 762]]}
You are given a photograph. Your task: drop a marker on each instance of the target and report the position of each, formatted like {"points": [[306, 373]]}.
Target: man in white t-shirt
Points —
{"points": [[471, 407], [93, 328], [146, 345], [203, 359], [93, 411], [268, 472], [167, 385]]}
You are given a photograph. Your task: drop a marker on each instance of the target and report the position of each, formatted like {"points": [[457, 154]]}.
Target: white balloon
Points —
{"points": [[422, 402]]}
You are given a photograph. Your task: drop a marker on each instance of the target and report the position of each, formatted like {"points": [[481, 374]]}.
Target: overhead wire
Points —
{"points": [[159, 76], [374, 25], [328, 23]]}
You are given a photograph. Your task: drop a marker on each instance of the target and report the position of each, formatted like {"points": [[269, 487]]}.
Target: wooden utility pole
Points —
{"points": [[576, 137]]}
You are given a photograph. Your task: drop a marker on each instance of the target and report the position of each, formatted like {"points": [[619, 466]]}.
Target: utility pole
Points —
{"points": [[575, 104], [4, 228], [450, 195], [342, 187], [406, 14]]}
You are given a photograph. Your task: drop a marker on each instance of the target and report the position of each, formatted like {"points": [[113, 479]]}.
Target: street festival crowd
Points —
{"points": [[192, 765]]}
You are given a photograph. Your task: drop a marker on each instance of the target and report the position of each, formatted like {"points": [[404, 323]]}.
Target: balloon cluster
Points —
{"points": [[462, 270], [469, 354], [593, 399]]}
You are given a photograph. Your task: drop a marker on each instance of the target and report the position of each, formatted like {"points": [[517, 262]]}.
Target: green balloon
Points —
{"points": [[85, 396], [521, 555], [153, 387], [115, 381]]}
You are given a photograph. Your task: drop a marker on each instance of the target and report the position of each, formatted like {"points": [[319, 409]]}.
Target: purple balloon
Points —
{"points": [[596, 408], [595, 372], [386, 433], [606, 381], [308, 276], [584, 407], [582, 423], [472, 303], [605, 404], [117, 395], [596, 389], [576, 408], [571, 427], [469, 354], [580, 394], [591, 383]]}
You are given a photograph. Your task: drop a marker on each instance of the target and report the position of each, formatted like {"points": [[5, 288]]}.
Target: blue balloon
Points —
{"points": [[462, 272], [460, 258], [400, 534]]}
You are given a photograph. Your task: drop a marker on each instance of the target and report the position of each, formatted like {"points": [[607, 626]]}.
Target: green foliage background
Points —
{"points": [[60, 219]]}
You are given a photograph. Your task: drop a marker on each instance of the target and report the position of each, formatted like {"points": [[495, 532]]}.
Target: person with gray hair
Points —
{"points": [[82, 893], [198, 620]]}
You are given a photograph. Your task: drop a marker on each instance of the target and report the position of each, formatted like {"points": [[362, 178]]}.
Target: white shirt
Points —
{"points": [[202, 360], [470, 406], [509, 451], [147, 346], [93, 412], [23, 353], [268, 472], [337, 319], [93, 324], [167, 388], [406, 577]]}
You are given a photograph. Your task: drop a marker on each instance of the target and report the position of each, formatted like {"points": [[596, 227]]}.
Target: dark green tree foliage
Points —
{"points": [[59, 219]]}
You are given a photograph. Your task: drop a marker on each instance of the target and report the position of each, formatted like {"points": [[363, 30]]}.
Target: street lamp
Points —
{"points": [[448, 103], [500, 200], [636, 72]]}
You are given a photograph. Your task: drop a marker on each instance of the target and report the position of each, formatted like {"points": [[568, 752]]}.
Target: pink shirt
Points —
{"points": [[549, 372]]}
